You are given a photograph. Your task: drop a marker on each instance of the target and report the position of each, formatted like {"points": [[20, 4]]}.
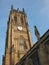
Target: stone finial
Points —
{"points": [[18, 9], [23, 10], [37, 33], [11, 7]]}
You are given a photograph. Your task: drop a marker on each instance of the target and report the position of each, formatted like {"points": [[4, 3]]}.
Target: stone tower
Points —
{"points": [[18, 38]]}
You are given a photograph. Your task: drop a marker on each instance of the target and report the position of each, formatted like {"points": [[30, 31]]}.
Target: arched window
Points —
{"points": [[15, 18], [22, 44], [22, 22]]}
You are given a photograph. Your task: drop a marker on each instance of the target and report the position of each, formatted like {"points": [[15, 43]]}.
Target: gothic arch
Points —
{"points": [[22, 43], [15, 18], [22, 21]]}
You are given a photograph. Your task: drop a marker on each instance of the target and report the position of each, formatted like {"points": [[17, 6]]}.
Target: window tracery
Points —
{"points": [[22, 44]]}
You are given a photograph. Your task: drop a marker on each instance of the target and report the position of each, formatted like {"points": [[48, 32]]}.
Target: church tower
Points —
{"points": [[18, 38]]}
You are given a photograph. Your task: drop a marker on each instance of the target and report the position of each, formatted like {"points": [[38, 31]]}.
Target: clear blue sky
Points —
{"points": [[37, 12]]}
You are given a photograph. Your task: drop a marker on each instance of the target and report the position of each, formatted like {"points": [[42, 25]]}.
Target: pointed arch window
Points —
{"points": [[22, 22], [22, 44], [15, 18]]}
